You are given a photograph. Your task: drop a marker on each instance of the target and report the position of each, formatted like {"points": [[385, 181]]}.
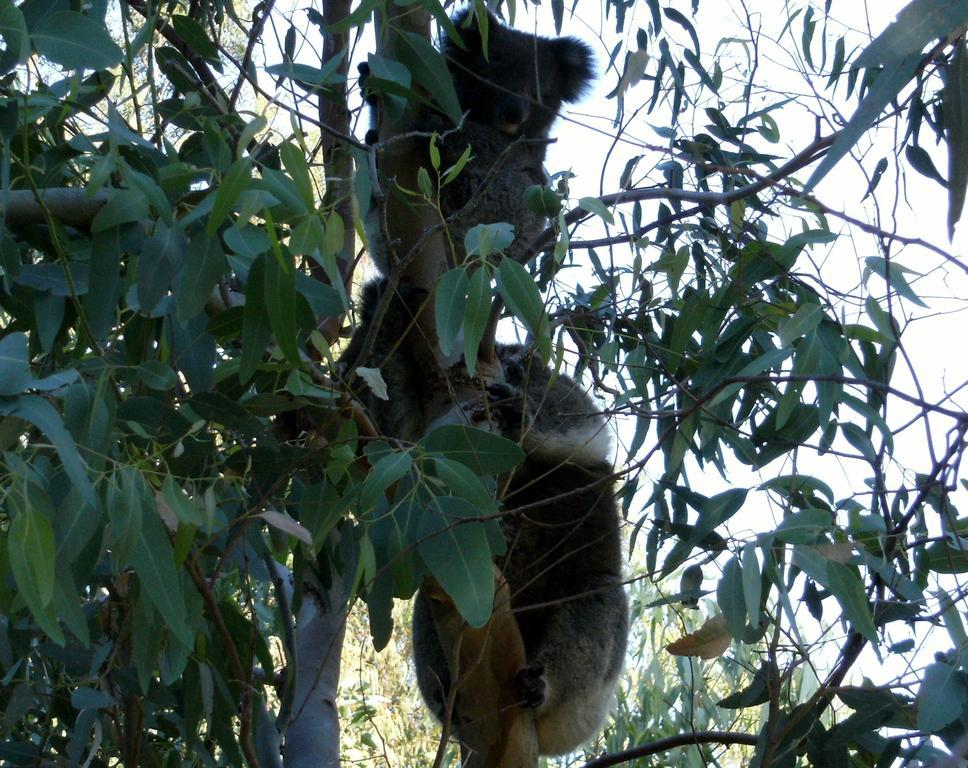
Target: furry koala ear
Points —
{"points": [[576, 67]]}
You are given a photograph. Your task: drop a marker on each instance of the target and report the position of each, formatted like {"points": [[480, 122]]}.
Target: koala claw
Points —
{"points": [[507, 403], [530, 684], [500, 391]]}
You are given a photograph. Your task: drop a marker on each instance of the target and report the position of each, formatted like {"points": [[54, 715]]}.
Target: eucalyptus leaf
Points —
{"points": [[450, 300], [941, 698], [75, 41], [15, 373], [454, 545]]}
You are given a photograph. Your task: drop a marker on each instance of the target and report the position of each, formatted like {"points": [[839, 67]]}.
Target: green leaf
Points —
{"points": [[287, 525], [388, 470], [680, 19], [83, 697], [194, 36], [895, 75], [462, 482], [429, 70], [873, 417], [729, 597], [155, 565], [454, 171], [123, 207], [161, 257], [233, 184], [809, 25], [941, 697], [453, 544], [355, 19], [802, 322], [918, 24], [717, 509], [42, 415], [294, 159], [186, 511], [67, 608], [838, 64], [75, 41], [542, 200], [126, 499], [425, 184], [450, 301], [875, 177], [157, 375], [48, 316], [849, 591], [882, 321], [280, 302], [30, 544], [484, 452], [752, 584], [803, 527], [764, 362], [921, 161], [476, 311], [790, 484], [14, 32], [946, 559], [521, 295], [858, 438], [955, 110], [75, 524], [757, 692], [597, 207], [256, 331], [14, 364], [204, 264], [289, 203], [328, 74], [487, 239], [893, 274], [693, 60]]}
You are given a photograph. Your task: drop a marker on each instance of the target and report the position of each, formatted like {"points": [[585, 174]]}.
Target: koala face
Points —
{"points": [[520, 85]]}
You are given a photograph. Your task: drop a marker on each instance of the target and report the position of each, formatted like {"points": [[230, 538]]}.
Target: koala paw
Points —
{"points": [[506, 403], [530, 685]]}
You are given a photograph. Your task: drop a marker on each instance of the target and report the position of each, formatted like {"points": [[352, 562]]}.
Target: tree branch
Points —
{"points": [[672, 742], [72, 206]]}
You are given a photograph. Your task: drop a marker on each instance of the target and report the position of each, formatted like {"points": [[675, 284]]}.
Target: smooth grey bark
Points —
{"points": [[312, 735]]}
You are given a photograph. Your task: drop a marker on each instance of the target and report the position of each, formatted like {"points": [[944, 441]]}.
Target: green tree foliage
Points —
{"points": [[177, 257]]}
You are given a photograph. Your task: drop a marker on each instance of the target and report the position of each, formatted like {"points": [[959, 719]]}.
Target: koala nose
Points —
{"points": [[512, 112]]}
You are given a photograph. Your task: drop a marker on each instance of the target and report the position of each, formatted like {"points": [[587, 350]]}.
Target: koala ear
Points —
{"points": [[576, 67]]}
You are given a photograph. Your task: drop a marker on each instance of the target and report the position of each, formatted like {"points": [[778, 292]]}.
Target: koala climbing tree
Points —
{"points": [[554, 648]]}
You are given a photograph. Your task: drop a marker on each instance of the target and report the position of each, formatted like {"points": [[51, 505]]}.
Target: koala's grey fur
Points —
{"points": [[511, 98], [564, 558]]}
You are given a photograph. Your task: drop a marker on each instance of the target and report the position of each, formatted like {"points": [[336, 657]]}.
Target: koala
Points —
{"points": [[563, 562], [511, 98]]}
